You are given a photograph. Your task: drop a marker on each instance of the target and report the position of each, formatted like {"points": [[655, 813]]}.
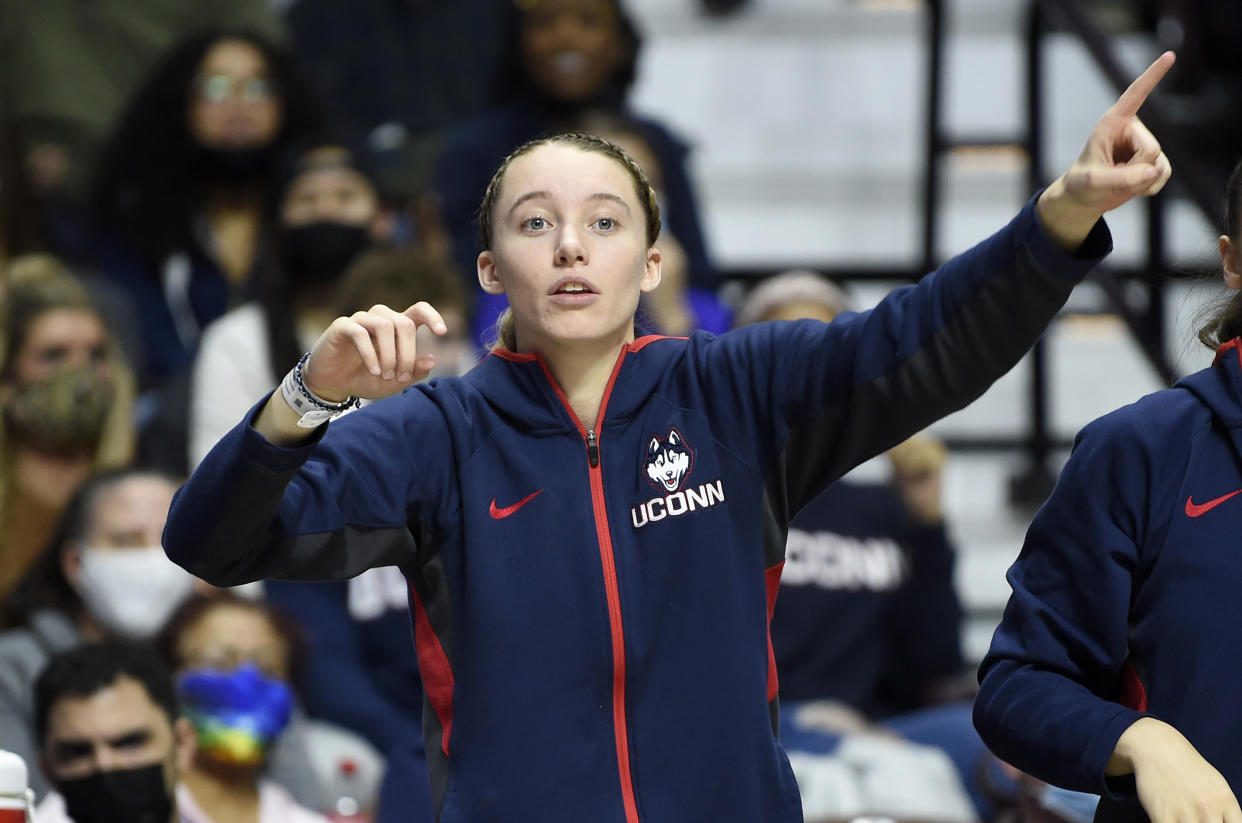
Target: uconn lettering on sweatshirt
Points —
{"points": [[668, 465]]}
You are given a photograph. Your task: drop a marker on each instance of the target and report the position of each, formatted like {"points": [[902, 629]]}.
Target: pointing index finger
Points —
{"points": [[1133, 97]]}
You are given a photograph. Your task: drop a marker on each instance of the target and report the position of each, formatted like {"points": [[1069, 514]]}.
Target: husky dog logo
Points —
{"points": [[669, 461], [668, 464]]}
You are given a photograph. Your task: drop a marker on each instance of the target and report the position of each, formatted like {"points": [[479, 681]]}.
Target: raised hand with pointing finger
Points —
{"points": [[1121, 160]]}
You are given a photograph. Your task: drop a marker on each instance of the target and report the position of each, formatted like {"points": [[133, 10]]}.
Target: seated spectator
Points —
{"points": [[103, 575], [178, 199], [109, 736], [866, 629], [327, 212], [65, 78], [67, 400], [675, 307], [563, 58], [236, 663]]}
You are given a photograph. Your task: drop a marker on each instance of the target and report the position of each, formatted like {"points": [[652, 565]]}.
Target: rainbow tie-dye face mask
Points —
{"points": [[236, 714]]}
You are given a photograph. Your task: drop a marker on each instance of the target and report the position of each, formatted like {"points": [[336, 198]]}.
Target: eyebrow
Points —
{"points": [[76, 747], [536, 195]]}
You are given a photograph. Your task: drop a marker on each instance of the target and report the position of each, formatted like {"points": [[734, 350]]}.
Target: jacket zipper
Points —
{"points": [[592, 449], [612, 590]]}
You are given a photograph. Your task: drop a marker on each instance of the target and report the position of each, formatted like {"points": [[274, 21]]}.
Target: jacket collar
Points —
{"points": [[522, 385]]}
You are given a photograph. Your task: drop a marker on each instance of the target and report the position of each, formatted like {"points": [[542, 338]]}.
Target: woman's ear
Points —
{"points": [[71, 563], [1229, 262], [651, 270], [489, 279]]}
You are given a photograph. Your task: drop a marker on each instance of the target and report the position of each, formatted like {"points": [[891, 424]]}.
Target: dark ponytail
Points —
{"points": [[1226, 321]]}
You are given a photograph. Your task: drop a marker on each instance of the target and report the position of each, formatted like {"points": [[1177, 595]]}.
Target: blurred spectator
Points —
{"points": [[109, 736], [675, 307], [66, 70], [563, 57], [866, 629], [401, 73], [179, 199], [327, 214], [234, 661], [104, 574], [67, 398], [324, 210]]}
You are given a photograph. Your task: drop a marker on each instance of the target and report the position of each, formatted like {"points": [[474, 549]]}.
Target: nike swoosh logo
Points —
{"points": [[500, 514], [1200, 509]]}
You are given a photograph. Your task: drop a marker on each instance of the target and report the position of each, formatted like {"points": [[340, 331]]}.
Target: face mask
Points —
{"points": [[232, 165], [320, 252], [133, 795], [236, 714], [61, 414], [132, 591]]}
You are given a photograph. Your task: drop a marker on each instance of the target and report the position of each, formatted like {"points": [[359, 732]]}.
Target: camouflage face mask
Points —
{"points": [[63, 414]]}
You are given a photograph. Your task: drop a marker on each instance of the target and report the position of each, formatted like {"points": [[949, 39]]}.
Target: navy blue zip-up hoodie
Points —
{"points": [[1125, 595], [591, 608]]}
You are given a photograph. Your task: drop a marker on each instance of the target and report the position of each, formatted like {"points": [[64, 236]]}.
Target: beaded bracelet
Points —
{"points": [[314, 409]]}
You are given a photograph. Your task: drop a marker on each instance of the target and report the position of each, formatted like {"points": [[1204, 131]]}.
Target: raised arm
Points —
{"points": [[834, 396]]}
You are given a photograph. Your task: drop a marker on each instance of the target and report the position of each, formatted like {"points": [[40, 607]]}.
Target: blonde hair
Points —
{"points": [[37, 284], [505, 330]]}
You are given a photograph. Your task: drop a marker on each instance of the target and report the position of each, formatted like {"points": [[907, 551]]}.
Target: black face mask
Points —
{"points": [[232, 165], [320, 252], [130, 795]]}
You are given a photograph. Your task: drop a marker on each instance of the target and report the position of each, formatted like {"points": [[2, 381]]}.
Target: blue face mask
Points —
{"points": [[237, 714]]}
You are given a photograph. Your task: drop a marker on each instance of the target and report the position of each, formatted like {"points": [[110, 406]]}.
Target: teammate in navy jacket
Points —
{"points": [[592, 524], [1116, 653]]}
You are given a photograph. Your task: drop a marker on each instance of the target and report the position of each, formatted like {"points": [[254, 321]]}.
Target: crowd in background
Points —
{"points": [[190, 194]]}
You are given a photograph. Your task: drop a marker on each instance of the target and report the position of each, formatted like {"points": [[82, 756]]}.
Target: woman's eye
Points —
{"points": [[536, 223], [606, 224], [53, 354]]}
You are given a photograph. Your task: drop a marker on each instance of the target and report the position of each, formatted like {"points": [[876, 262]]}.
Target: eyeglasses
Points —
{"points": [[216, 88]]}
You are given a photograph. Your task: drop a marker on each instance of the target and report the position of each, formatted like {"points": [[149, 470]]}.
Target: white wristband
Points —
{"points": [[314, 410]]}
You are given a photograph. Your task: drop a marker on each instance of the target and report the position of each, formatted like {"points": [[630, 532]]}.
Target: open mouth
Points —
{"points": [[571, 286]]}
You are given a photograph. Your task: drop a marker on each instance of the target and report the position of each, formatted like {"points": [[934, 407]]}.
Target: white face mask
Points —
{"points": [[132, 591]]}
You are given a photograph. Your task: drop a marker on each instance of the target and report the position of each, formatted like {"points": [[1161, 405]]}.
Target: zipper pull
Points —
{"points": [[592, 449]]}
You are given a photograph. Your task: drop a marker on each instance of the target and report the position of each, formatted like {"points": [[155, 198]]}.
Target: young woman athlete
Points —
{"points": [[592, 522]]}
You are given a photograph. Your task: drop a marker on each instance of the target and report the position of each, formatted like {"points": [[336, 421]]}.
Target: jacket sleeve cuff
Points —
{"points": [[1051, 257], [1122, 786], [259, 449]]}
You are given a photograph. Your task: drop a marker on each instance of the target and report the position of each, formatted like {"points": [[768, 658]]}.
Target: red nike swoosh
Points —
{"points": [[1197, 510], [501, 514]]}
